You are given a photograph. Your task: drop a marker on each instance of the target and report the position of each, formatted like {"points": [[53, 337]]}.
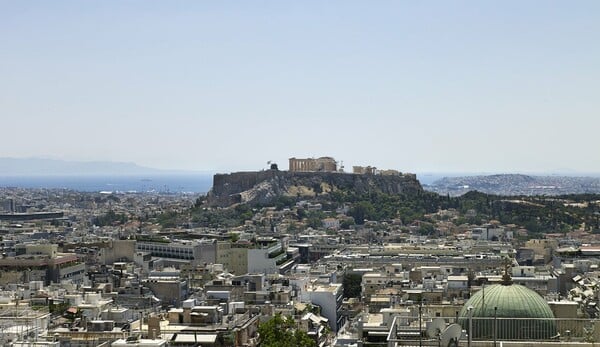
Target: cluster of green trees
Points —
{"points": [[169, 219], [379, 206], [281, 331], [213, 218], [537, 214], [221, 217], [352, 285], [109, 218]]}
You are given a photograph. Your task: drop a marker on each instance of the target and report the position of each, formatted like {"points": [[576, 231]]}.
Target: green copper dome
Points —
{"points": [[521, 313]]}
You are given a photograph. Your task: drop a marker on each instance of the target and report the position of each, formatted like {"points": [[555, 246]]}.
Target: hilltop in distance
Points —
{"points": [[52, 167], [306, 178], [516, 184]]}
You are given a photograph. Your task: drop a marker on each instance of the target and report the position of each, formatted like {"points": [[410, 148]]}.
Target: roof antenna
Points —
{"points": [[506, 278]]}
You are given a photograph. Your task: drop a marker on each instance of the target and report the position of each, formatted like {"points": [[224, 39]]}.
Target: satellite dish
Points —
{"points": [[451, 335], [435, 327]]}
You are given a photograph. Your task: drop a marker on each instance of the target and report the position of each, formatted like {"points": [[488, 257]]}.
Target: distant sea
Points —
{"points": [[177, 183]]}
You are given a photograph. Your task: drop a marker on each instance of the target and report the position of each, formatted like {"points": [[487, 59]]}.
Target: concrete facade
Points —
{"points": [[329, 298], [196, 252], [117, 250]]}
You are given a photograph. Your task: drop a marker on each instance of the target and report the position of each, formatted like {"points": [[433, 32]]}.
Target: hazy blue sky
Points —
{"points": [[228, 85]]}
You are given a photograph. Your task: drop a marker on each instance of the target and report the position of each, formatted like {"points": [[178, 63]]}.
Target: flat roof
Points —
{"points": [[200, 338], [458, 278], [141, 343]]}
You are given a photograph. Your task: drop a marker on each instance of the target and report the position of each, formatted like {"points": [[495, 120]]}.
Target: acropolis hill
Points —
{"points": [[261, 187]]}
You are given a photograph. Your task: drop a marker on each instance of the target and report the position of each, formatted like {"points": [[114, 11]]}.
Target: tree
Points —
{"points": [[282, 332], [301, 213], [314, 219], [426, 229], [317, 188], [361, 211], [109, 218], [347, 223], [314, 222], [352, 285], [293, 227]]}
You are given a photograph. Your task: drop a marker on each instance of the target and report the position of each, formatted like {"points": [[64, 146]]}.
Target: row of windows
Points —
{"points": [[168, 252], [152, 248]]}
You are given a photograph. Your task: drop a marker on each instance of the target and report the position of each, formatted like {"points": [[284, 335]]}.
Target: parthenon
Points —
{"points": [[322, 164]]}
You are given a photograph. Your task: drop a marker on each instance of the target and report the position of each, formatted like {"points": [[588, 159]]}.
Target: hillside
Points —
{"points": [[49, 167], [262, 187], [392, 200], [515, 184]]}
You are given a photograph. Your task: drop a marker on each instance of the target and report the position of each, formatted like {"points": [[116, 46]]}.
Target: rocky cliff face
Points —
{"points": [[261, 187]]}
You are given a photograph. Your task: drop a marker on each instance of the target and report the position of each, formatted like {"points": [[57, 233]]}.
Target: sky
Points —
{"points": [[417, 86]]}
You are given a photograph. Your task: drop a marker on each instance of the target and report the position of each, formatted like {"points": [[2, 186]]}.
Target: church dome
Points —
{"points": [[521, 313]]}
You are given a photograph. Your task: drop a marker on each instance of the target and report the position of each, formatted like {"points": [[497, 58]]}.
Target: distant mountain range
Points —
{"points": [[515, 184], [54, 167]]}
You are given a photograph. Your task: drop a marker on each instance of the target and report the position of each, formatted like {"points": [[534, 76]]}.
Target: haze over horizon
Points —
{"points": [[12, 167], [420, 87]]}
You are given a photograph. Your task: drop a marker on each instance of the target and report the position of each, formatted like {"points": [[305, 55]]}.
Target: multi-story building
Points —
{"points": [[265, 257], [329, 298], [116, 251], [41, 262], [167, 286], [184, 252]]}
